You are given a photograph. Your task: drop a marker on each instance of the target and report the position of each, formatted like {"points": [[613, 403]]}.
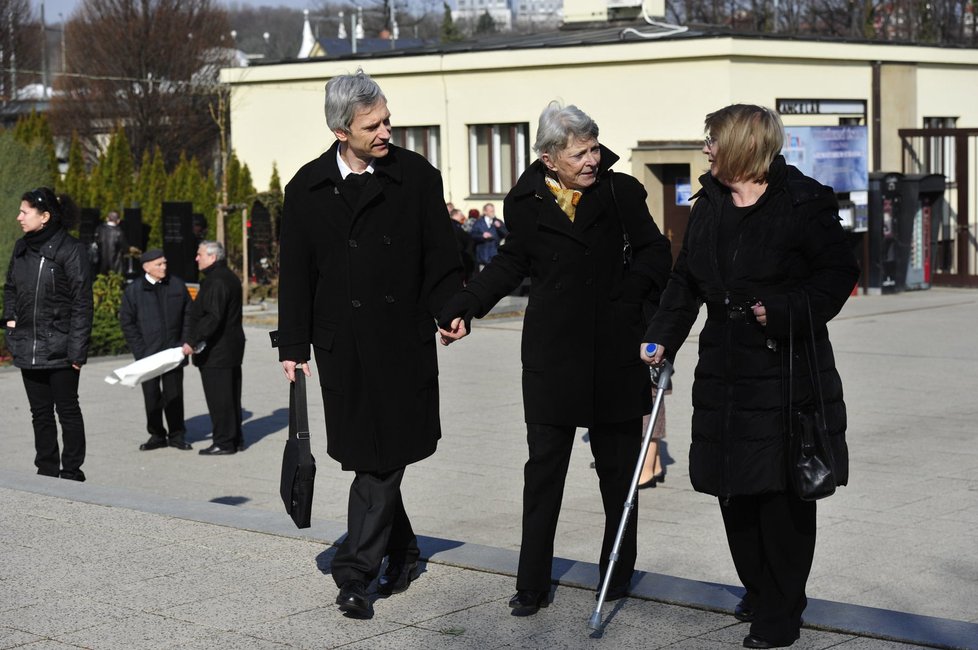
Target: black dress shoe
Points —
{"points": [[647, 484], [397, 578], [526, 602], [214, 450], [76, 475], [154, 442], [180, 443], [352, 599], [752, 641], [743, 612]]}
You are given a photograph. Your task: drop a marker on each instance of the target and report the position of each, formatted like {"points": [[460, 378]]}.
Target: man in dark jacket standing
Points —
{"points": [[217, 342], [367, 260], [112, 245], [154, 318]]}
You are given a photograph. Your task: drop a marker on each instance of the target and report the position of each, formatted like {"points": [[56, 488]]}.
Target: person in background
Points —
{"points": [[570, 219], [112, 245], [763, 241], [216, 339], [487, 232], [466, 247], [154, 316], [367, 260], [47, 308]]}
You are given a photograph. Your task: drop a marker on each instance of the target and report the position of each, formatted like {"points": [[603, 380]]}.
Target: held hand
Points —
{"points": [[76, 366], [187, 350], [11, 324], [457, 332], [760, 313], [487, 235], [289, 368], [654, 359]]}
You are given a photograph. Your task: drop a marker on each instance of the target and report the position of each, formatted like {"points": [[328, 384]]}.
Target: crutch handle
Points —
{"points": [[650, 349]]}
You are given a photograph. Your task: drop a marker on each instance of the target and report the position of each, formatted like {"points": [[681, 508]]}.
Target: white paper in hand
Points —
{"points": [[146, 368]]}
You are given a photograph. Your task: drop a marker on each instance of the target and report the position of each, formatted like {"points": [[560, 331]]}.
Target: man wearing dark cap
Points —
{"points": [[153, 316]]}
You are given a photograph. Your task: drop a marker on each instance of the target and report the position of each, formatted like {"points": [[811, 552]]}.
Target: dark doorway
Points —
{"points": [[675, 181]]}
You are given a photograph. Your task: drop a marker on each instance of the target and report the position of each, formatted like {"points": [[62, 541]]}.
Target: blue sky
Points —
{"points": [[66, 7]]}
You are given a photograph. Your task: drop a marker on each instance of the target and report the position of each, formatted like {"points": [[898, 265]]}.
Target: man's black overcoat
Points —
{"points": [[584, 320], [155, 317], [789, 245], [215, 318], [362, 285]]}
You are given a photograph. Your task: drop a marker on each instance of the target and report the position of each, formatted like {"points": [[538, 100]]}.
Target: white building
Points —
{"points": [[469, 11]]}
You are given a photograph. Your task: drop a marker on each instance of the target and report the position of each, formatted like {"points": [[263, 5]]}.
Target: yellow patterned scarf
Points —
{"points": [[567, 200]]}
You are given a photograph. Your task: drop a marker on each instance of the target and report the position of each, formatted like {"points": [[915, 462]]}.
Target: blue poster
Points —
{"points": [[833, 155]]}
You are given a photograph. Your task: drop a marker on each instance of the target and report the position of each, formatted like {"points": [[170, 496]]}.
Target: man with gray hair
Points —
{"points": [[217, 342], [367, 260]]}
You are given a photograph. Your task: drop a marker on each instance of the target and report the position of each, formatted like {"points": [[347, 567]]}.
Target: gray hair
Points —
{"points": [[557, 125], [345, 94], [214, 248]]}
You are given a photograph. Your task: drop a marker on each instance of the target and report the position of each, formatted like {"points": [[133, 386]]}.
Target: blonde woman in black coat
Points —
{"points": [[570, 222], [47, 308], [763, 241]]}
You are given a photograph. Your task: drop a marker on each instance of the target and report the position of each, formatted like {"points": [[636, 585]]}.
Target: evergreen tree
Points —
{"points": [[75, 181], [148, 195], [486, 24], [449, 30], [275, 184], [34, 130]]}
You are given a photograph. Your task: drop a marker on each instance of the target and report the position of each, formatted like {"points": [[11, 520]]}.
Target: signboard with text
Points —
{"points": [[837, 156]]}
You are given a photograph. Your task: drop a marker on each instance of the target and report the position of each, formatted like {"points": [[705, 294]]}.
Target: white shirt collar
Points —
{"points": [[151, 279], [345, 169]]}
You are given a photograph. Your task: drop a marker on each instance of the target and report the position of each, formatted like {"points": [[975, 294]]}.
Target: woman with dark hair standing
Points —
{"points": [[764, 247], [47, 306]]}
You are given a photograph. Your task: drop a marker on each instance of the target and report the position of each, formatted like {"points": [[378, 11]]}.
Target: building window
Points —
{"points": [[498, 154], [424, 140]]}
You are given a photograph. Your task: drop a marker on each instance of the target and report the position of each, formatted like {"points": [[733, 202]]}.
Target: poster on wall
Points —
{"points": [[833, 155]]}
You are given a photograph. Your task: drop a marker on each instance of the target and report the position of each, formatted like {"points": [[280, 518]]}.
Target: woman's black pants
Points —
{"points": [[772, 541], [51, 389], [615, 448]]}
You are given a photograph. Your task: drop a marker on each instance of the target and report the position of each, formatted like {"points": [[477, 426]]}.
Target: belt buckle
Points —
{"points": [[736, 312]]}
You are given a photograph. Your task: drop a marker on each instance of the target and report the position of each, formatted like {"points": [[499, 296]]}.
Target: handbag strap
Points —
{"points": [[813, 358], [626, 248], [791, 373], [299, 416]]}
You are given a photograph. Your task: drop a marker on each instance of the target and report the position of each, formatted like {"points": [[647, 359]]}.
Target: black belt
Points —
{"points": [[736, 311]]}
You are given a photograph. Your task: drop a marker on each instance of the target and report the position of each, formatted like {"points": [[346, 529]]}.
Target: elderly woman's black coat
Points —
{"points": [[789, 245], [362, 286], [48, 292], [584, 319]]}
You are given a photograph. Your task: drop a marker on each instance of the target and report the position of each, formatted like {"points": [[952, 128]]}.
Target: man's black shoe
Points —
{"points": [[397, 578], [352, 599], [743, 612], [73, 475], [154, 442], [214, 450], [526, 602], [180, 443], [751, 641]]}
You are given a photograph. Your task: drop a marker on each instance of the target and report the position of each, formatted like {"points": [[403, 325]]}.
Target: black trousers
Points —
{"points": [[164, 395], [615, 448], [377, 526], [49, 390], [222, 391], [772, 542]]}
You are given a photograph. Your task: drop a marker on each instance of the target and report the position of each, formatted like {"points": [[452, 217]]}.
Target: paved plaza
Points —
{"points": [[168, 549]]}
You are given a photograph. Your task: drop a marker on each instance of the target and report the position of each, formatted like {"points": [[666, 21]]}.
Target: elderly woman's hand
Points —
{"points": [[760, 313]]}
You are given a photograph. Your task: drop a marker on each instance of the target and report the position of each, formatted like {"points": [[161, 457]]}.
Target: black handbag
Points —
{"points": [[810, 464], [298, 463]]}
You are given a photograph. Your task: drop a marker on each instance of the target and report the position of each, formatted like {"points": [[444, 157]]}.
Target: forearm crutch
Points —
{"points": [[662, 384]]}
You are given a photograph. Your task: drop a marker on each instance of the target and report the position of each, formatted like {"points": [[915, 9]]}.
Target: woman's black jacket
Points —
{"points": [[584, 319], [48, 293], [789, 246], [155, 317]]}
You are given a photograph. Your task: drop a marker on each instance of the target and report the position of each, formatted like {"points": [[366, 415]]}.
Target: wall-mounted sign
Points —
{"points": [[684, 191], [832, 155], [821, 106]]}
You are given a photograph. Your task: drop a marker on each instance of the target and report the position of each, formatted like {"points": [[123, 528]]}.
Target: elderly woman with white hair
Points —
{"points": [[597, 263]]}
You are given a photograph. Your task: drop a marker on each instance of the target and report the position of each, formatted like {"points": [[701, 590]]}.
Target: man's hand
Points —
{"points": [[760, 313], [455, 333], [11, 324], [655, 360], [187, 350], [290, 366]]}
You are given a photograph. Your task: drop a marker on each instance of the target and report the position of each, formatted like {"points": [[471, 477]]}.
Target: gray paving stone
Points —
{"points": [[13, 638]]}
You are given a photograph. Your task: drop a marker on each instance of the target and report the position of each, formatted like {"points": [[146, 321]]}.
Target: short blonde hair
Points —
{"points": [[748, 138]]}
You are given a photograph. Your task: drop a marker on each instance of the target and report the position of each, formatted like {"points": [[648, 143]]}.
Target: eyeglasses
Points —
{"points": [[709, 141]]}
